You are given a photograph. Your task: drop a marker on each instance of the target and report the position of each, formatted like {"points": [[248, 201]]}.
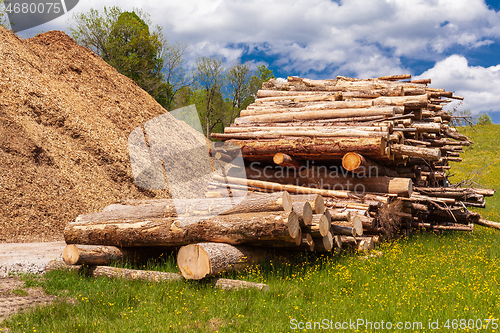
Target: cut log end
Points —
{"points": [[71, 255], [194, 262], [351, 161]]}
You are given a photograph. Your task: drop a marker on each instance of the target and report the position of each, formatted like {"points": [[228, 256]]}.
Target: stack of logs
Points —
{"points": [[328, 165]]}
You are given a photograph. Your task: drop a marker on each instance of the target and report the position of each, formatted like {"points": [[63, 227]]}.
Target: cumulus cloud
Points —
{"points": [[325, 38], [480, 86]]}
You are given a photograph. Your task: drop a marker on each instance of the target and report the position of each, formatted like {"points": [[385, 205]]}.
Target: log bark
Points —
{"points": [[287, 161], [324, 178], [358, 164], [489, 224], [132, 274], [197, 261], [387, 111], [282, 107], [277, 134], [316, 201], [428, 153], [263, 229], [305, 190], [360, 244], [161, 208], [305, 148], [77, 254]]}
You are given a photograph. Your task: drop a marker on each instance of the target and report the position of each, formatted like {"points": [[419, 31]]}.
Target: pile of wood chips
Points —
{"points": [[329, 164]]}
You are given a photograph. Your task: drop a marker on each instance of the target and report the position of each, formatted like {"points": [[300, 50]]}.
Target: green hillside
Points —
{"points": [[481, 165]]}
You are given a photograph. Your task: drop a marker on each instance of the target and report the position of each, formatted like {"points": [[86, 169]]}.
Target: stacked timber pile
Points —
{"points": [[328, 165], [381, 145]]}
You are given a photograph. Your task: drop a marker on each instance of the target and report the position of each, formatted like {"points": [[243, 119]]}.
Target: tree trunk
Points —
{"points": [[489, 224], [264, 229], [160, 208], [360, 165], [197, 261], [132, 274], [282, 107], [385, 111], [287, 161], [305, 148], [428, 153], [77, 254], [277, 134], [301, 190]]}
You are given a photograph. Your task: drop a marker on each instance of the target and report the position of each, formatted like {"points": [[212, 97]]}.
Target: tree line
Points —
{"points": [[130, 42]]}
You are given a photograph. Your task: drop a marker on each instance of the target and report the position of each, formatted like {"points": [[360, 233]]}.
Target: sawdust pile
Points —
{"points": [[65, 118]]}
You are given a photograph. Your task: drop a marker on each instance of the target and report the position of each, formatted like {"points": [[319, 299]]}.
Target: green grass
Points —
{"points": [[425, 278], [481, 165]]}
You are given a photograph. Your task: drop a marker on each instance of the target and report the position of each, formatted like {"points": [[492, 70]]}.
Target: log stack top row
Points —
{"points": [[391, 120]]}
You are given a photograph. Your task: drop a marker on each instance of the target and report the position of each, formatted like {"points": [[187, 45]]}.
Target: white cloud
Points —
{"points": [[480, 86], [324, 38]]}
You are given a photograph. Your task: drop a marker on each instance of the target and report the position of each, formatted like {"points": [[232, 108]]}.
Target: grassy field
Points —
{"points": [[441, 282]]}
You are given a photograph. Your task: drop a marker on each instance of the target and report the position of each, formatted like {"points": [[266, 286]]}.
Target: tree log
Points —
{"points": [[358, 164], [304, 190], [287, 161], [305, 148], [322, 177], [197, 261], [489, 224], [77, 254], [387, 111], [428, 153], [277, 134], [264, 229], [160, 208]]}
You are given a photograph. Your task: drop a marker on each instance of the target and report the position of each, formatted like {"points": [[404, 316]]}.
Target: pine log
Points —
{"points": [[304, 211], [277, 134], [322, 178], [287, 161], [388, 111], [264, 93], [324, 244], [307, 243], [449, 226], [319, 224], [428, 153], [354, 223], [229, 284], [342, 230], [160, 208], [395, 77], [303, 190], [283, 107], [132, 274], [197, 261], [358, 164], [308, 126], [263, 229], [305, 148], [419, 101], [315, 200], [77, 254], [489, 224], [360, 244]]}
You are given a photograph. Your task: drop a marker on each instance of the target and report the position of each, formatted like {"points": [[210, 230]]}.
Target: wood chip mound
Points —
{"points": [[65, 119]]}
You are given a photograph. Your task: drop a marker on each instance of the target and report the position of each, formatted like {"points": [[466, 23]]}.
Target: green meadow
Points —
{"points": [[446, 282]]}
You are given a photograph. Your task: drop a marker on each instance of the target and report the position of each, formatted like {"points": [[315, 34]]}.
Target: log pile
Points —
{"points": [[329, 164], [378, 147]]}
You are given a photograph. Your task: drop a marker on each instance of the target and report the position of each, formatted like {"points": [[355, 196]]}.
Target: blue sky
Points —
{"points": [[456, 43]]}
